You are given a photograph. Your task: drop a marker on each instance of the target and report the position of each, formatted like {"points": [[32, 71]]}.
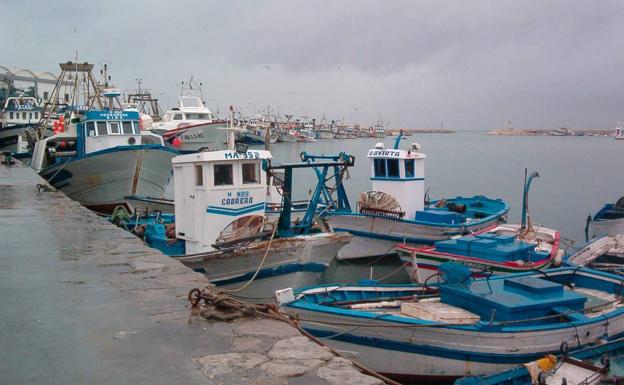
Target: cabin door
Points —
{"points": [[185, 198]]}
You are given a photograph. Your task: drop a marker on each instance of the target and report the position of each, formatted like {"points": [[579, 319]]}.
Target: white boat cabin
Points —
{"points": [[401, 174], [20, 110], [212, 189], [90, 132], [190, 110]]}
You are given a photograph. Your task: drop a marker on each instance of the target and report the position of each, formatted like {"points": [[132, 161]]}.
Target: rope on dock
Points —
{"points": [[219, 305]]}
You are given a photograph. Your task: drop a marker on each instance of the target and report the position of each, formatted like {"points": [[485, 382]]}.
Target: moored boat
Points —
{"points": [[609, 220], [503, 249], [99, 155], [464, 326], [395, 210]]}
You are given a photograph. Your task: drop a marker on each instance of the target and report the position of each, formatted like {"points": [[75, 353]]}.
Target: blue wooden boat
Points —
{"points": [[397, 210], [465, 326], [588, 366]]}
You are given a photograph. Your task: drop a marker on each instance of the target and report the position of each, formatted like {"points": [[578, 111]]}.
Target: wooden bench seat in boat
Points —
{"points": [[440, 312]]}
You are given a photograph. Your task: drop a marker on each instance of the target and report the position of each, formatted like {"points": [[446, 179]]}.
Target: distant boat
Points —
{"points": [[191, 126], [17, 115], [288, 136], [619, 131]]}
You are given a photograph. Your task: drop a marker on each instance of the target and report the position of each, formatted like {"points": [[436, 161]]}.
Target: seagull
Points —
{"points": [[267, 67], [339, 69], [355, 108]]}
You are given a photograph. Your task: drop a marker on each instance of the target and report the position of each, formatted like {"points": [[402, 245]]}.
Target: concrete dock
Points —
{"points": [[83, 301]]}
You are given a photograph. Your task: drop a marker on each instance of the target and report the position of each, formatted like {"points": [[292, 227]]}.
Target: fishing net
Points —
{"points": [[379, 203], [244, 230]]}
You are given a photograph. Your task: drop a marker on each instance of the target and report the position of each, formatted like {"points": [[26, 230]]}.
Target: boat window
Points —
{"points": [[380, 168], [30, 116], [24, 115], [36, 115], [223, 175], [177, 117], [251, 173], [127, 127], [10, 115], [114, 127], [190, 116], [409, 168], [199, 175], [393, 168], [90, 129], [190, 102], [101, 128]]}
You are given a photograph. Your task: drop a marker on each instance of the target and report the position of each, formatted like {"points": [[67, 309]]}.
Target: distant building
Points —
{"points": [[24, 82]]}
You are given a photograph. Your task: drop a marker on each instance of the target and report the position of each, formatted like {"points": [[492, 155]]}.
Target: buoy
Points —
{"points": [[176, 142]]}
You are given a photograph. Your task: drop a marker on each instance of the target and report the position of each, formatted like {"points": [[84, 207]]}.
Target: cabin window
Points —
{"points": [[30, 116], [409, 168], [114, 127], [199, 175], [223, 175], [393, 168], [380, 168], [251, 173], [177, 117], [24, 115], [10, 115], [90, 129], [36, 115], [127, 127], [197, 117], [66, 98], [46, 94], [101, 128]]}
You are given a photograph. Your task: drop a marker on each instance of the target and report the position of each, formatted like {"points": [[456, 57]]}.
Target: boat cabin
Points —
{"points": [[20, 110], [400, 173], [212, 189]]}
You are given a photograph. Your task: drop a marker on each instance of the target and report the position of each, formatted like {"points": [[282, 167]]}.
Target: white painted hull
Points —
{"points": [[420, 353], [287, 138], [212, 136], [610, 227], [396, 230], [313, 251], [325, 134], [100, 181]]}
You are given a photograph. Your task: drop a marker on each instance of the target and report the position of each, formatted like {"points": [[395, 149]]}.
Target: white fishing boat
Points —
{"points": [[221, 227], [395, 210], [609, 220], [191, 126], [17, 115], [98, 154], [288, 136], [604, 253], [307, 135], [464, 326], [619, 130]]}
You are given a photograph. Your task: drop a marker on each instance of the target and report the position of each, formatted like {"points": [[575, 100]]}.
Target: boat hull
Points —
{"points": [[291, 262], [386, 229], [101, 180], [408, 348], [212, 136], [321, 134]]}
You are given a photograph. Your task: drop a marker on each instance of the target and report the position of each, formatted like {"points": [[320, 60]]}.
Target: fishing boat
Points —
{"points": [[257, 135], [288, 136], [222, 231], [609, 220], [379, 129], [98, 154], [503, 249], [619, 130], [190, 125], [598, 364], [464, 326], [604, 253], [395, 209], [17, 115], [307, 135]]}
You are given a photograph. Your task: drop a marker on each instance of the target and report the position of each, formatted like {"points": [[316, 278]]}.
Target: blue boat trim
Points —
{"points": [[395, 238], [396, 179], [453, 354]]}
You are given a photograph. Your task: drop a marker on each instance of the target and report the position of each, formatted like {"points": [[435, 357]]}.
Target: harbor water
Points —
{"points": [[577, 175]]}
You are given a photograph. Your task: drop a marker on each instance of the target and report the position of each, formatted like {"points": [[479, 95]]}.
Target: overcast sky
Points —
{"points": [[468, 64]]}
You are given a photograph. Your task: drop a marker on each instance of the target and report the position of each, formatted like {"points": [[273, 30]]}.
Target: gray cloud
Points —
{"points": [[472, 65]]}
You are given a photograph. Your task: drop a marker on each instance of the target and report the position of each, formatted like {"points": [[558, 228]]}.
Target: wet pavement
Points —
{"points": [[83, 301]]}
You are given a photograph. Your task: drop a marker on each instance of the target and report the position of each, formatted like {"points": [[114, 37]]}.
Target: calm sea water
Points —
{"points": [[578, 175]]}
